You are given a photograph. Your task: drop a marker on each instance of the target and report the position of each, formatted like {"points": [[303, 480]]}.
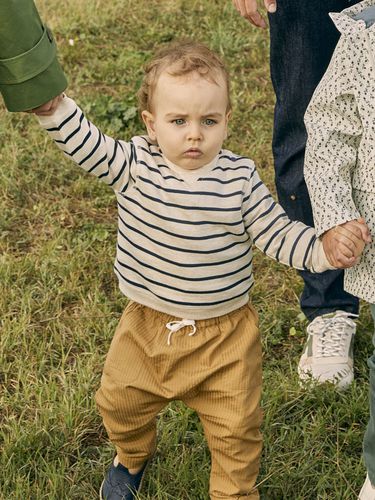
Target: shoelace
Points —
{"points": [[333, 332], [174, 326]]}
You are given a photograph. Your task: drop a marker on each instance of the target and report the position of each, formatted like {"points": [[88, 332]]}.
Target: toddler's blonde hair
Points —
{"points": [[179, 59]]}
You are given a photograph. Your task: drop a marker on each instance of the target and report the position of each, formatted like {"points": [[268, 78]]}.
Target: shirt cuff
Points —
{"points": [[323, 227], [320, 261]]}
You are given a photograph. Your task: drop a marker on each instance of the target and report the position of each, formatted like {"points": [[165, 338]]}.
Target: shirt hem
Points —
{"points": [[196, 313]]}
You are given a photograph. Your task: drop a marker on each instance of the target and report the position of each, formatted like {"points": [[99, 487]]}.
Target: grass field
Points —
{"points": [[59, 301]]}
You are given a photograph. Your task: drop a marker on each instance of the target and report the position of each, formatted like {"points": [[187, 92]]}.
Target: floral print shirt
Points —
{"points": [[340, 151]]}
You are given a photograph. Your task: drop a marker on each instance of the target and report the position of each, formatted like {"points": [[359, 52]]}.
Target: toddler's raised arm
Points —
{"points": [[81, 141]]}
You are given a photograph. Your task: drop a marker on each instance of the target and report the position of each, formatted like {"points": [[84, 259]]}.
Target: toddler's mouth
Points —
{"points": [[193, 153]]}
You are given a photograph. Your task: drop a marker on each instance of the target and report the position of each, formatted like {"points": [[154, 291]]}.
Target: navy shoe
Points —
{"points": [[119, 484]]}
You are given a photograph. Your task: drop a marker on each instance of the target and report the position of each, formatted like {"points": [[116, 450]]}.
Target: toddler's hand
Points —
{"points": [[344, 244], [48, 108]]}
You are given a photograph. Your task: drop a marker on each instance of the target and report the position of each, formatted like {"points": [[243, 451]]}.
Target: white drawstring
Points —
{"points": [[174, 326]]}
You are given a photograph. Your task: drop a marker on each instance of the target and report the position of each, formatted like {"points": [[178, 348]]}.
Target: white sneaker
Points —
{"points": [[367, 491], [328, 353]]}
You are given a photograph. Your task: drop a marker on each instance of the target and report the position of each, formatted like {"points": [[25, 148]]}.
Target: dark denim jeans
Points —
{"points": [[303, 38]]}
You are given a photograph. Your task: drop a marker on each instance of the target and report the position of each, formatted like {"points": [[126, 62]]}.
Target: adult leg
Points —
{"points": [[228, 405], [303, 38]]}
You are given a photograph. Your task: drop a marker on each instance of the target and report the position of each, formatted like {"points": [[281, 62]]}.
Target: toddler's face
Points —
{"points": [[189, 118]]}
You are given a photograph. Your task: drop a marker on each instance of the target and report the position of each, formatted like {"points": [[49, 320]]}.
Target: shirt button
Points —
{"points": [[293, 197]]}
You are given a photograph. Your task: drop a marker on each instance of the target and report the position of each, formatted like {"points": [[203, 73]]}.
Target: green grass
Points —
{"points": [[59, 301]]}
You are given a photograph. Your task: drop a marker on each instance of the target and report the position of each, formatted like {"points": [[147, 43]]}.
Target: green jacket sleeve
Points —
{"points": [[30, 73]]}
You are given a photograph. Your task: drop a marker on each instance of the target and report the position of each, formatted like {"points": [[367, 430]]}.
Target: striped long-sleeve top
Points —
{"points": [[184, 243]]}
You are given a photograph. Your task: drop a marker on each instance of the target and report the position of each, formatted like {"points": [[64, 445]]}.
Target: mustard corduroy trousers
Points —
{"points": [[217, 372]]}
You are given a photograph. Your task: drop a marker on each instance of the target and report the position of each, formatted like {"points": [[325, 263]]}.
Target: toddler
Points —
{"points": [[188, 215]]}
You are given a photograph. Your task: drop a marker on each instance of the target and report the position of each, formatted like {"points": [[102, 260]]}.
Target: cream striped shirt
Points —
{"points": [[184, 243]]}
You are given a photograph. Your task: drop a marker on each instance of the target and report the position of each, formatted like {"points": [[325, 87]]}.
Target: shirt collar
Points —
{"points": [[345, 22], [191, 175]]}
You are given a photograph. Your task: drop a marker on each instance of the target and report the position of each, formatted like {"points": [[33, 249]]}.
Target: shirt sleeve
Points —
{"points": [[80, 140], [334, 133], [289, 242], [30, 73]]}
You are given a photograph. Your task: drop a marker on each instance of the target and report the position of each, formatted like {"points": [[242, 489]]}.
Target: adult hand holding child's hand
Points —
{"points": [[47, 108], [344, 244]]}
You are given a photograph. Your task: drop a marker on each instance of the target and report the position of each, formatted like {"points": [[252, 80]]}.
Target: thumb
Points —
{"points": [[366, 236], [270, 6]]}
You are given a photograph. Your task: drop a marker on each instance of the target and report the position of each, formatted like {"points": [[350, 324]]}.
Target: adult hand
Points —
{"points": [[47, 108], [249, 10], [344, 244]]}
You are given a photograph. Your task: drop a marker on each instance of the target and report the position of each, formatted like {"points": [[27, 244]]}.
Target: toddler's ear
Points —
{"points": [[227, 118], [148, 119]]}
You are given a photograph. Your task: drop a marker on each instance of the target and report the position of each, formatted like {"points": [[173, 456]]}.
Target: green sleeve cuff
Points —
{"points": [[29, 64], [32, 78]]}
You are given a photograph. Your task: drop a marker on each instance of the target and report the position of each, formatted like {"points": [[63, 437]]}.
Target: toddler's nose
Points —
{"points": [[194, 133]]}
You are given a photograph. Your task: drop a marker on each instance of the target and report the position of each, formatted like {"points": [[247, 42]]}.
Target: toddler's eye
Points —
{"points": [[178, 121], [209, 122]]}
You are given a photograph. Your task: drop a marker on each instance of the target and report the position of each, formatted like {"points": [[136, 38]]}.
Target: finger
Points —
{"points": [[48, 112], [251, 13], [339, 256], [355, 250], [350, 231], [345, 262], [356, 227], [46, 106], [343, 250], [40, 109], [356, 247], [44, 112], [235, 4], [361, 231], [366, 235], [270, 6], [49, 108], [359, 228], [257, 20], [55, 102], [242, 7]]}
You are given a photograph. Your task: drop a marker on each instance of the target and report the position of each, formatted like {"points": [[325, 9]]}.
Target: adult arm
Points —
{"points": [[30, 74], [334, 133]]}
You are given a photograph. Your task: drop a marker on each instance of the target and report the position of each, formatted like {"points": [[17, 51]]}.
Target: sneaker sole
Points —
{"points": [[341, 383], [364, 493]]}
